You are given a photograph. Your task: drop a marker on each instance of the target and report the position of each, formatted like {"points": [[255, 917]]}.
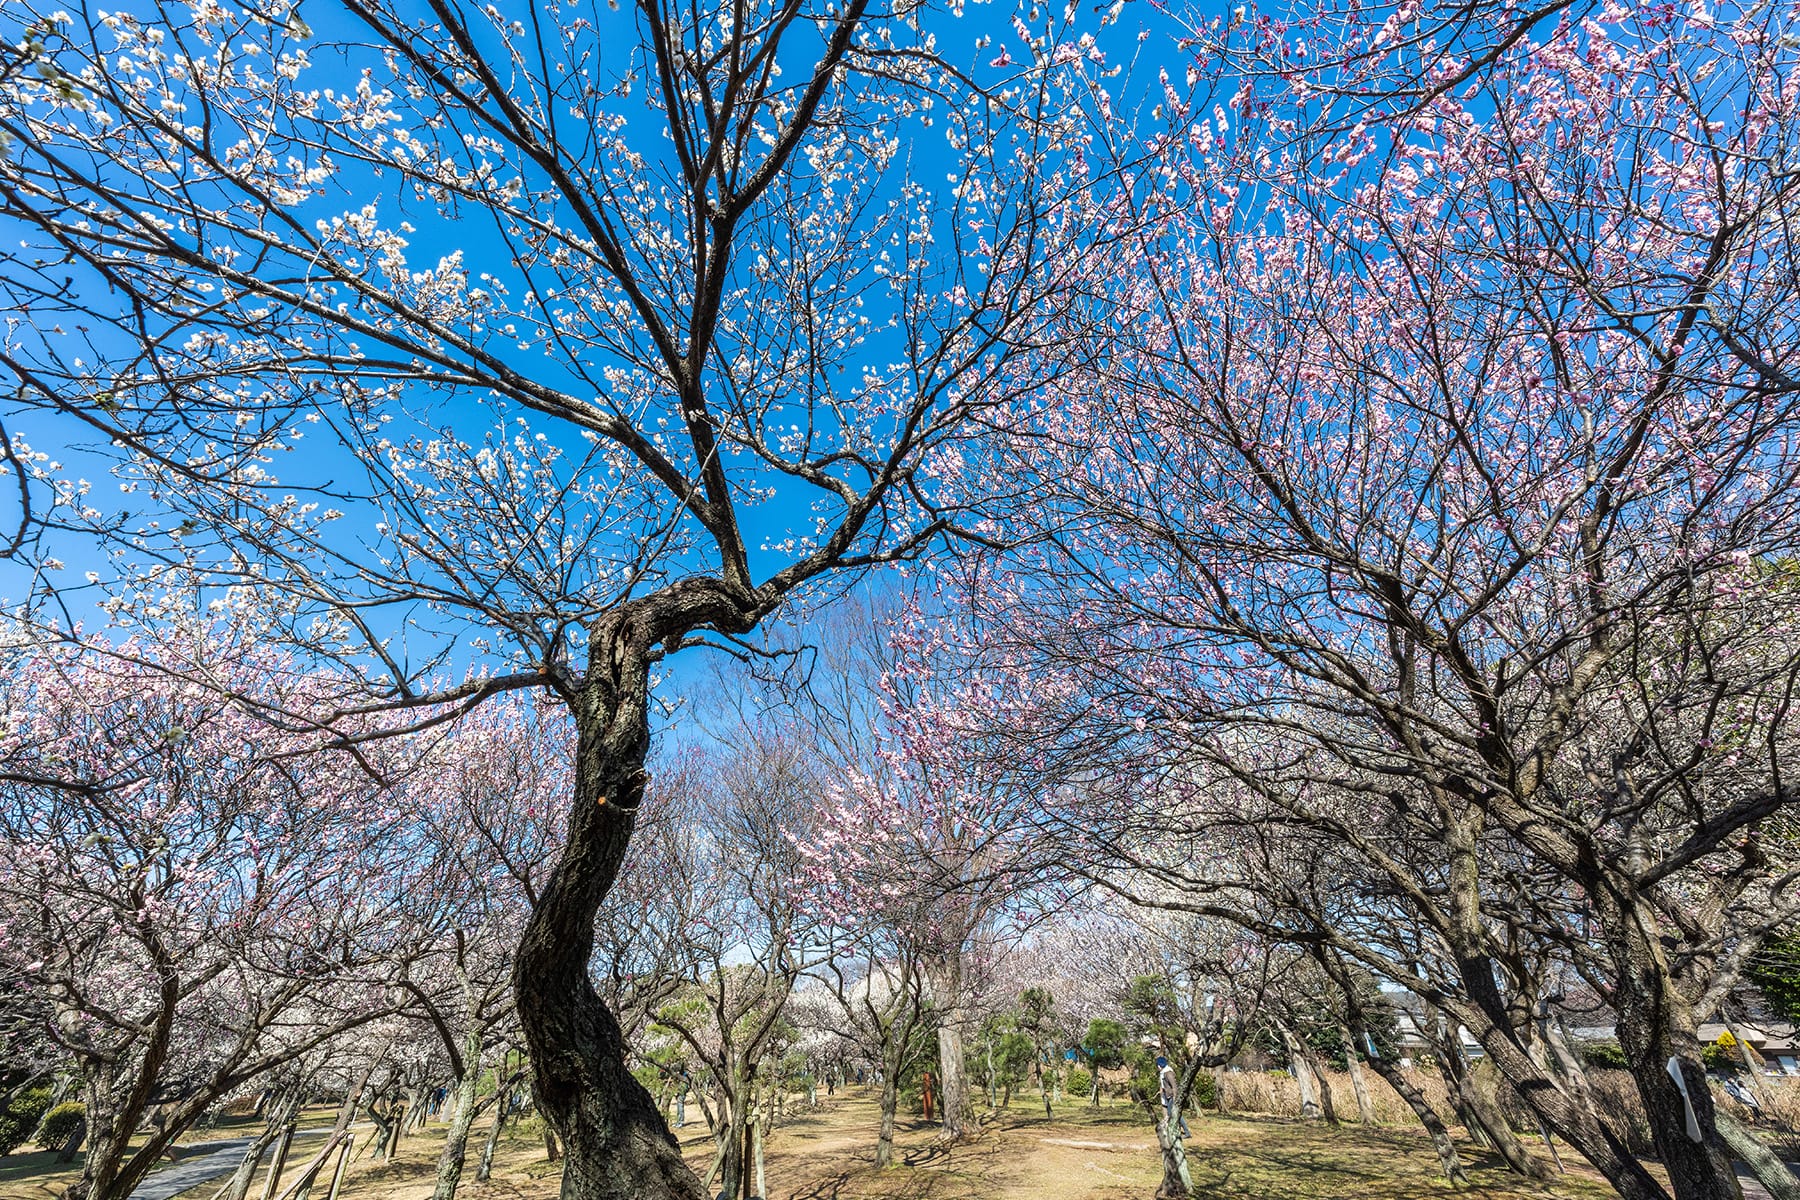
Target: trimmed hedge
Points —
{"points": [[20, 1116], [60, 1124]]}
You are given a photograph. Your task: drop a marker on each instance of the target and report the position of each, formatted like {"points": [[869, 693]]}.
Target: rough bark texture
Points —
{"points": [[1566, 1115], [1494, 1127], [1327, 1105], [1304, 1076], [1365, 1104], [953, 1097], [1769, 1170], [890, 1104], [618, 1145], [1655, 1025], [1434, 1125], [462, 1119], [1176, 1181], [946, 979]]}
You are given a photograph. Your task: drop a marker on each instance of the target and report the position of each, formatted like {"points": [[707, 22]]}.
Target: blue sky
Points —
{"points": [[987, 31]]}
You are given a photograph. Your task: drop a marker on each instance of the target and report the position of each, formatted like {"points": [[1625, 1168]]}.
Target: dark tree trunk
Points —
{"points": [[1656, 1032], [1566, 1115], [1698, 1169], [617, 1142], [73, 1145]]}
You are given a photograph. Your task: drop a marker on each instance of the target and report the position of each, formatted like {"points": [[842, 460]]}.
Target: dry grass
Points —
{"points": [[1085, 1153], [1275, 1094], [1109, 1153], [1779, 1120], [1278, 1095], [1105, 1153]]}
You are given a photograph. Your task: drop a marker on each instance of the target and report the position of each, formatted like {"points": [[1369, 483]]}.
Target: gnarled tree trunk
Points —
{"points": [[617, 1142], [946, 976]]}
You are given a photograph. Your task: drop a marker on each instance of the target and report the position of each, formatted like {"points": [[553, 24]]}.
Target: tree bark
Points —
{"points": [[1655, 1028], [756, 1157], [239, 1185], [485, 1167], [1567, 1115], [343, 1165], [890, 1104], [1499, 1134], [1322, 1081], [1365, 1105], [1441, 1140], [279, 1163], [340, 1128], [1177, 1180], [462, 1119], [946, 978], [1769, 1170], [953, 1100], [1303, 1076], [618, 1143]]}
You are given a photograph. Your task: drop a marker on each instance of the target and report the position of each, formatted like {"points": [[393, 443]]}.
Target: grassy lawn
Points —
{"points": [[1084, 1153]]}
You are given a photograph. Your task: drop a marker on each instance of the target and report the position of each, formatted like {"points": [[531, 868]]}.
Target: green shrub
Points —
{"points": [[1604, 1056], [1079, 1083], [1206, 1090], [1722, 1055], [60, 1123], [20, 1116]]}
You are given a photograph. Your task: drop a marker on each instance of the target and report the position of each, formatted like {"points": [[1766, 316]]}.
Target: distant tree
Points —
{"points": [[197, 898], [1434, 509], [1103, 1045], [1775, 970]]}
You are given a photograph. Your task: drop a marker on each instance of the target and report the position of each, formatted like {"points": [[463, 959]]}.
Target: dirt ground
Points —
{"points": [[1085, 1153]]}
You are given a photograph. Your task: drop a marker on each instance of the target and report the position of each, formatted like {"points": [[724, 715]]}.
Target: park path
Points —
{"points": [[205, 1163], [1754, 1190]]}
